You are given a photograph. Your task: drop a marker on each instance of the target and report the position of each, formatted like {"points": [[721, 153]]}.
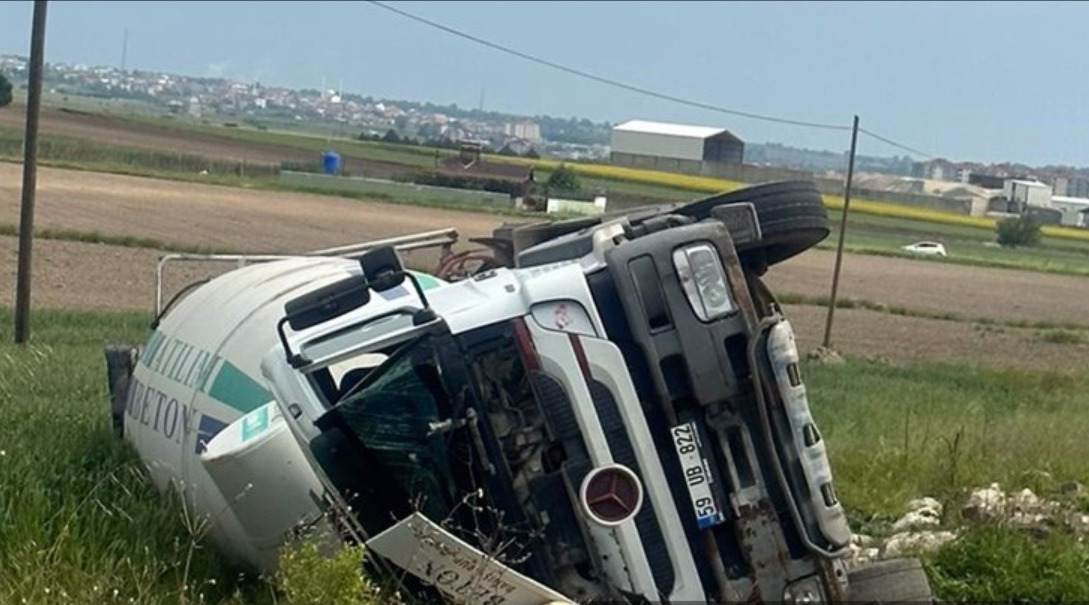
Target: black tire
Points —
{"points": [[892, 581], [791, 214]]}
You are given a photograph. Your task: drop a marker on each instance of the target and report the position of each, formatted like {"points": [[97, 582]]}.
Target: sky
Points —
{"points": [[987, 82]]}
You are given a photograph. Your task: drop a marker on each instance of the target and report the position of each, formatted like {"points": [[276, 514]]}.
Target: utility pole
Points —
{"points": [[125, 49], [30, 174], [842, 234]]}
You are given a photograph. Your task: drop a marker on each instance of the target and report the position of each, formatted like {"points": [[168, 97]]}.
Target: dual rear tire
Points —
{"points": [[791, 217]]}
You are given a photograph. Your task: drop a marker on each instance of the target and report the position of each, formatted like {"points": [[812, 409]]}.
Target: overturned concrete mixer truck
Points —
{"points": [[597, 410]]}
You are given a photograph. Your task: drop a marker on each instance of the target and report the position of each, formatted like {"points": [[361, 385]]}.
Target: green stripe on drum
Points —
{"points": [[427, 282], [234, 388]]}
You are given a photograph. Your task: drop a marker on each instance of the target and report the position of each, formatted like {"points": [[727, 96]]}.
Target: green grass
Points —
{"points": [[79, 523], [72, 150], [900, 432], [1062, 336], [966, 245], [408, 155], [995, 565]]}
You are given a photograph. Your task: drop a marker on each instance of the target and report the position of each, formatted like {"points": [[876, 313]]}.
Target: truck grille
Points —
{"points": [[622, 451]]}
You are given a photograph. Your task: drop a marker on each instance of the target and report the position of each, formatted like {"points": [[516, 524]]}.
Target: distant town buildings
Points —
{"points": [[206, 98], [1063, 181], [526, 131], [1063, 192]]}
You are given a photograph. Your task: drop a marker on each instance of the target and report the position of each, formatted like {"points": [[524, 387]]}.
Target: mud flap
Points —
{"points": [[459, 571], [120, 363], [888, 582]]}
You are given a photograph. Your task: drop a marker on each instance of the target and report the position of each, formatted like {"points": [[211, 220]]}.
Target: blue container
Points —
{"points": [[330, 161]]}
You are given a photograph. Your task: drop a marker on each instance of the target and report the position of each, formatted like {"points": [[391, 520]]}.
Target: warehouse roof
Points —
{"points": [[1073, 201], [676, 130]]}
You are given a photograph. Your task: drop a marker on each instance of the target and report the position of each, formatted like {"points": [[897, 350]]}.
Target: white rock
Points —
{"points": [[1024, 501], [916, 520], [1075, 522], [853, 550], [826, 357], [861, 557], [862, 540], [920, 542], [1029, 519], [928, 504], [985, 504], [922, 513]]}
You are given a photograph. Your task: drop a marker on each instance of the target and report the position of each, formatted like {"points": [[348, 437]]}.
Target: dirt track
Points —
{"points": [[219, 217], [98, 276], [104, 129], [970, 292], [108, 130]]}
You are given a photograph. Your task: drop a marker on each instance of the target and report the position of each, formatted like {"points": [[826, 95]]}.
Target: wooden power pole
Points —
{"points": [[842, 235], [30, 174]]}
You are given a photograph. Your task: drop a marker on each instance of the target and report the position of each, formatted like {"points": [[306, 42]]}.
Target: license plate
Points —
{"points": [[697, 474]]}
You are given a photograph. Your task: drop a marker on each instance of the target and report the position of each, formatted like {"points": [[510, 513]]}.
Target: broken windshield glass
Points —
{"points": [[392, 413]]}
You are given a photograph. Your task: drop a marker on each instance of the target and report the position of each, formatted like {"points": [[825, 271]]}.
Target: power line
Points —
{"points": [[603, 80], [638, 89], [893, 143]]}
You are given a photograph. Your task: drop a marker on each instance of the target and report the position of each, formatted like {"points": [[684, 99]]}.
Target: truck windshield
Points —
{"points": [[393, 410]]}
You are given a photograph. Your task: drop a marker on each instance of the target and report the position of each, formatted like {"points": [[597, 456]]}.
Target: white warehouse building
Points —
{"points": [[673, 147], [1075, 210], [1028, 193]]}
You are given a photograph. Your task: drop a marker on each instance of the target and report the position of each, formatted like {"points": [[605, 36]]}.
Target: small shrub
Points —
{"points": [[1021, 231], [438, 179], [564, 178], [1061, 336], [5, 91], [307, 577]]}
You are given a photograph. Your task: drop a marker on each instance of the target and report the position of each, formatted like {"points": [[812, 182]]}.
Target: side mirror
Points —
{"points": [[327, 302], [382, 268]]}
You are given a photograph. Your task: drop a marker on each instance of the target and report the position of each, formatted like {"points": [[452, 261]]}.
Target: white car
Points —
{"points": [[927, 248]]}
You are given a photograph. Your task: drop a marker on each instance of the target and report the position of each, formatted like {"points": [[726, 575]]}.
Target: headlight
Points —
{"points": [[704, 281]]}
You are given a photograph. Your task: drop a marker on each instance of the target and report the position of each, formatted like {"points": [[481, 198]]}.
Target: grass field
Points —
{"points": [[897, 433], [965, 244], [80, 524], [901, 432], [97, 156], [408, 155], [78, 521]]}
